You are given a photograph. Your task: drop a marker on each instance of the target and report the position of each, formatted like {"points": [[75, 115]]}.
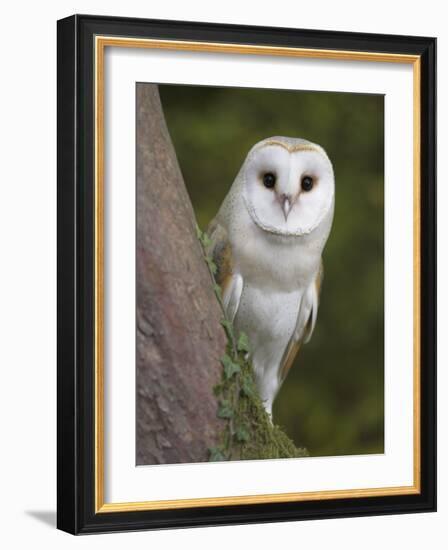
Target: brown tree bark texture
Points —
{"points": [[179, 337]]}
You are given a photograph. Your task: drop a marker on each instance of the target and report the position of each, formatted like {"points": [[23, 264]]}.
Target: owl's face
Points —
{"points": [[288, 186]]}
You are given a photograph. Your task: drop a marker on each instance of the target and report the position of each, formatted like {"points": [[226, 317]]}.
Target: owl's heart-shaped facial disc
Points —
{"points": [[288, 185]]}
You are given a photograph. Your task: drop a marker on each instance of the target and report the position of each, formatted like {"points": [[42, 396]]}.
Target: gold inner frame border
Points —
{"points": [[100, 44]]}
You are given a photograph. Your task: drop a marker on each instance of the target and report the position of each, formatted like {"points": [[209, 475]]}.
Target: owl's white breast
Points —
{"points": [[269, 319], [271, 262], [276, 271]]}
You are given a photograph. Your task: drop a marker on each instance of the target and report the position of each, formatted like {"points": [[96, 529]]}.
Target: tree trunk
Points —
{"points": [[179, 337]]}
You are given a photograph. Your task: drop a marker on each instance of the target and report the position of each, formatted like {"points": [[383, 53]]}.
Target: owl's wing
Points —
{"points": [[230, 281], [306, 321]]}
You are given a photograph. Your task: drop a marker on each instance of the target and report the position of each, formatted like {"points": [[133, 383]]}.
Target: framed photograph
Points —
{"points": [[246, 274]]}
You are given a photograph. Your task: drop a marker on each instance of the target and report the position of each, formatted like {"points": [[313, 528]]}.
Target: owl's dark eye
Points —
{"points": [[269, 180], [307, 183]]}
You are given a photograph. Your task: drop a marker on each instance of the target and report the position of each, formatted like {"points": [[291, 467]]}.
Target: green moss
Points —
{"points": [[249, 433]]}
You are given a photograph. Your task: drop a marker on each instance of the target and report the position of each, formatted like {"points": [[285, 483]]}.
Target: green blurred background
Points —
{"points": [[332, 401]]}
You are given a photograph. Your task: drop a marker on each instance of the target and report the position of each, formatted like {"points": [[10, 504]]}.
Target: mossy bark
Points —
{"points": [[179, 337]]}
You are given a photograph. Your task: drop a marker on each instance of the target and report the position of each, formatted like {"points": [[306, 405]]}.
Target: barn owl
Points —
{"points": [[267, 242]]}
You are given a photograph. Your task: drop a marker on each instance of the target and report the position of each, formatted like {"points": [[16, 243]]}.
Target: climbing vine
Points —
{"points": [[249, 432]]}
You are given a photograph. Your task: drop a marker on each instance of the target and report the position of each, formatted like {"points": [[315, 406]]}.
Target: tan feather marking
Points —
{"points": [[221, 253], [319, 278], [224, 264], [292, 351], [293, 148]]}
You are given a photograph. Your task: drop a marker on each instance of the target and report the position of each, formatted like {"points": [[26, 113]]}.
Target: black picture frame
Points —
{"points": [[76, 397]]}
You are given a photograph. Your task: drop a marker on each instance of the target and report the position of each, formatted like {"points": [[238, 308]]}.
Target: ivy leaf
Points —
{"points": [[230, 368], [228, 327], [246, 389], [242, 433], [225, 410], [243, 343], [216, 455], [198, 232], [211, 265], [205, 239]]}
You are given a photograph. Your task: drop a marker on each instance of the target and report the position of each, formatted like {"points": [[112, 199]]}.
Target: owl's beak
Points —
{"points": [[286, 206]]}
